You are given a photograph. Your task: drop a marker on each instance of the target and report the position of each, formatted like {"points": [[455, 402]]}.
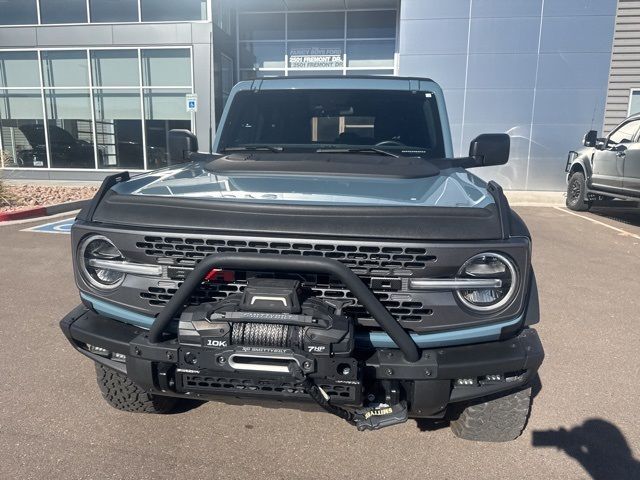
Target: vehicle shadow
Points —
{"points": [[598, 445], [628, 216], [186, 405]]}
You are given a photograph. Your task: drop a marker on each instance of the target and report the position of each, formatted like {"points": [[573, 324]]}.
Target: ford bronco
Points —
{"points": [[332, 251]]}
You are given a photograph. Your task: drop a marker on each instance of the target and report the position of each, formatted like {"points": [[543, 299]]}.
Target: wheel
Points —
{"points": [[576, 193], [121, 393], [498, 419]]}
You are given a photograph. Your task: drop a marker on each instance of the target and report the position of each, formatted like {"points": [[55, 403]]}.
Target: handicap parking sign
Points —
{"points": [[192, 102], [61, 226]]}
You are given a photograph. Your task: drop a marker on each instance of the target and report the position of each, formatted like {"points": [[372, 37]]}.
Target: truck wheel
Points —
{"points": [[576, 193], [495, 420], [121, 393]]}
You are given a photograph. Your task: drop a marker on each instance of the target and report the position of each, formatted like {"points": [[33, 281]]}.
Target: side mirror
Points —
{"points": [[490, 149], [182, 143], [590, 138]]}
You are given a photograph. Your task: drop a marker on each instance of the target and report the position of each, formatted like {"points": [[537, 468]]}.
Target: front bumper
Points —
{"points": [[441, 375]]}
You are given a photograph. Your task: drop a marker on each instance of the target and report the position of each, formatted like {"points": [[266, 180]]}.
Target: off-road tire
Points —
{"points": [[498, 419], [121, 393], [576, 193]]}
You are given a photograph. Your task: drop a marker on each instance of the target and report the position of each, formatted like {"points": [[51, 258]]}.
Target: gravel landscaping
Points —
{"points": [[19, 197]]}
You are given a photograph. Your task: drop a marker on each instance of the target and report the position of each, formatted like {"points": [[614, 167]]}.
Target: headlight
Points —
{"points": [[94, 256], [492, 267]]}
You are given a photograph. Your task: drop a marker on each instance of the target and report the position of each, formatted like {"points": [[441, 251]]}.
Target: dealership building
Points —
{"points": [[89, 87]]}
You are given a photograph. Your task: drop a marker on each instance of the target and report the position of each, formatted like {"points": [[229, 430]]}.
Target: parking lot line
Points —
{"points": [[593, 220]]}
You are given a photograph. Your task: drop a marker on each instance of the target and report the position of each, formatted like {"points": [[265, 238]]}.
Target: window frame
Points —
{"points": [[632, 91], [634, 137], [91, 88], [90, 22], [344, 70]]}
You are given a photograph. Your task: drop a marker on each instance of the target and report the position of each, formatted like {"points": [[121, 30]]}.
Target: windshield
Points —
{"points": [[400, 122], [452, 188]]}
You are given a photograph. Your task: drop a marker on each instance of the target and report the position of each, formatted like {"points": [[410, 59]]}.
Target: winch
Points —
{"points": [[277, 337], [270, 316]]}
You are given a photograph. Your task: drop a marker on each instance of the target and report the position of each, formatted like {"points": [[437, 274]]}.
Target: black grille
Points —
{"points": [[216, 384], [363, 260], [406, 310], [380, 267]]}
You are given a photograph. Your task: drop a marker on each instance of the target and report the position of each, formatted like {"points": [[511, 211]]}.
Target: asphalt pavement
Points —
{"points": [[54, 423]]}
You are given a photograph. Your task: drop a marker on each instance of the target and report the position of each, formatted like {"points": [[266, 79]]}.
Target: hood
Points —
{"points": [[385, 181], [452, 205], [34, 133]]}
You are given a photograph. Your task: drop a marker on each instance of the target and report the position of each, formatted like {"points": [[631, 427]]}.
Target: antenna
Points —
{"points": [[212, 93]]}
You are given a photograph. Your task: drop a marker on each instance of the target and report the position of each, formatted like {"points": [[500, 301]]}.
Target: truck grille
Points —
{"points": [[363, 260], [380, 267]]}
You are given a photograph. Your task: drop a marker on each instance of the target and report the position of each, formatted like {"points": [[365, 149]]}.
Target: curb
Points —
{"points": [[43, 211]]}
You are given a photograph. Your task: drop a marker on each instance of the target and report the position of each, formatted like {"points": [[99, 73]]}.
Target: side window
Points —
{"points": [[625, 133]]}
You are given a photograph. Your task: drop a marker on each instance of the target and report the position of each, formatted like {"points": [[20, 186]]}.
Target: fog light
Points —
{"points": [[465, 381], [493, 378], [119, 357], [103, 352]]}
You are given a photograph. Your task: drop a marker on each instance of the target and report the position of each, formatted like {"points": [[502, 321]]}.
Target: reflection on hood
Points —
{"points": [[451, 188], [34, 133]]}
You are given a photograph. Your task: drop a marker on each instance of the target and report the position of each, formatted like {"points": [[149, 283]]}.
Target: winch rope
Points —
{"points": [[267, 335]]}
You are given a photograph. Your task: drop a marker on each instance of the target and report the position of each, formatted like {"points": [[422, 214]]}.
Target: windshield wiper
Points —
{"points": [[358, 150], [246, 148]]}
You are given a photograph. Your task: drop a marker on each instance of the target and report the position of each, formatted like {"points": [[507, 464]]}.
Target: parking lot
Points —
{"points": [[54, 424]]}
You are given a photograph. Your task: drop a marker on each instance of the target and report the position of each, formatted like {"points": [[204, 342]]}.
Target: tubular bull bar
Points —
{"points": [[280, 263]]}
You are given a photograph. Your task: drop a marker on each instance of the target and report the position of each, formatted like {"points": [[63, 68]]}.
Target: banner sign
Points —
{"points": [[315, 57]]}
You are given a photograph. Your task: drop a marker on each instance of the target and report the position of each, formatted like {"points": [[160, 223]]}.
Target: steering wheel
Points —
{"points": [[392, 143]]}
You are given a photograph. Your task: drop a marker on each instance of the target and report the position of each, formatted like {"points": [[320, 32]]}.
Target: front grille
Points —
{"points": [[321, 286], [363, 260], [215, 384], [380, 267]]}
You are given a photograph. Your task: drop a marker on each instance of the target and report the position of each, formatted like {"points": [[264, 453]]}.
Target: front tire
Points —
{"points": [[498, 419], [577, 193], [121, 393]]}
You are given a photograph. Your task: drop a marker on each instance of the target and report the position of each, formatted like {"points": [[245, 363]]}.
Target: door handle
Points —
{"points": [[621, 153]]}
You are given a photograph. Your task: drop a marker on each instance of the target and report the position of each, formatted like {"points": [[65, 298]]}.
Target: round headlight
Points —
{"points": [[92, 250], [501, 278]]}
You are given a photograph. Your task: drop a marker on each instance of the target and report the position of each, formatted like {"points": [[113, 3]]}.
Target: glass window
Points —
{"points": [[625, 133], [369, 72], [170, 68], [370, 53], [316, 55], [63, 11], [19, 69], [222, 15], [18, 12], [173, 10], [262, 26], [118, 128], [164, 110], [374, 24], [226, 76], [115, 68], [303, 120], [21, 129], [66, 68], [262, 55], [634, 102], [113, 10], [69, 129], [313, 25], [253, 74]]}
